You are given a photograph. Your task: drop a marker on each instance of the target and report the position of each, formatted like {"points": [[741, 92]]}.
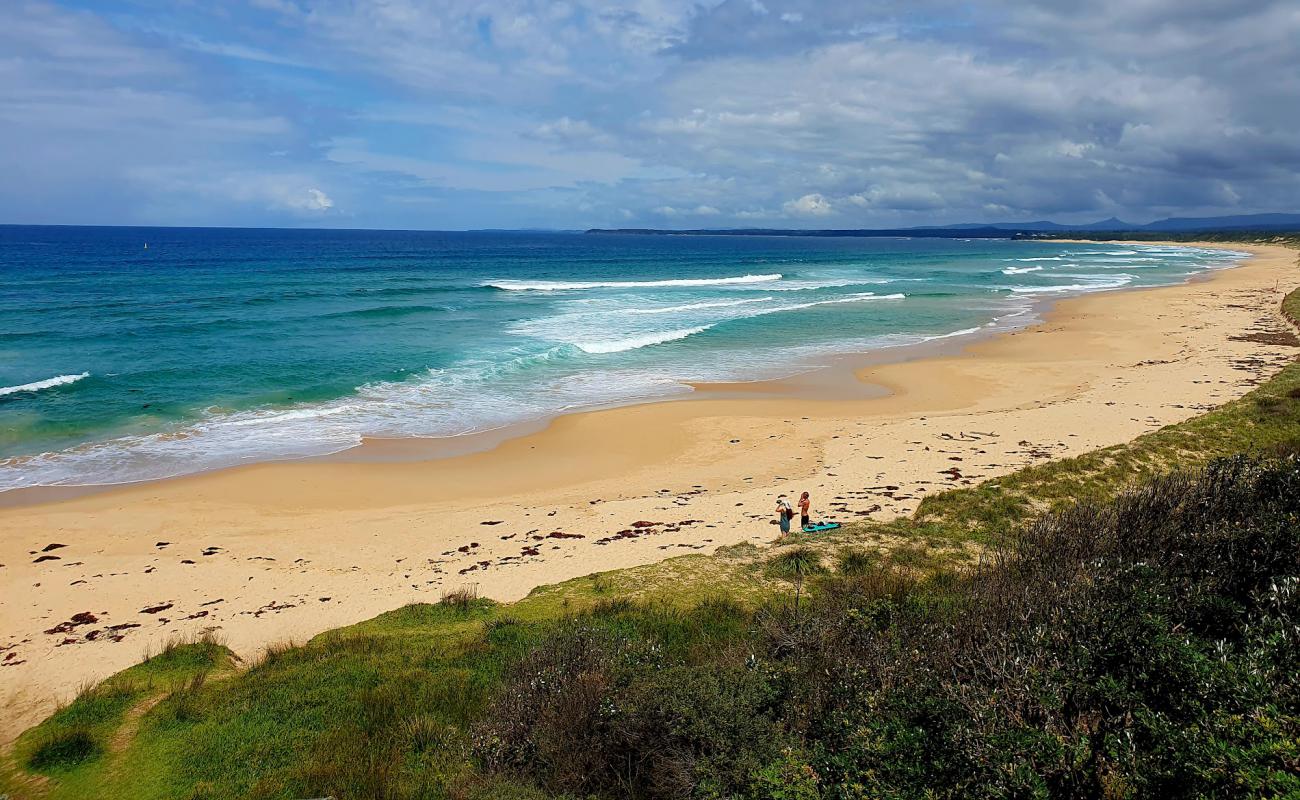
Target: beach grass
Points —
{"points": [[394, 706]]}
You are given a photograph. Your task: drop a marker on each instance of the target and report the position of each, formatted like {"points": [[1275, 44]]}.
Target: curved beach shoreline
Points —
{"points": [[279, 551]]}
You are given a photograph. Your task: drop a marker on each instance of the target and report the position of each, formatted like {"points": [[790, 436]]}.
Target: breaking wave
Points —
{"points": [[558, 286], [637, 342], [48, 383]]}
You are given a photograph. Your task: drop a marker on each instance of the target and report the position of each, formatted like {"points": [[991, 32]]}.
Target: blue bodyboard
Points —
{"points": [[818, 527]]}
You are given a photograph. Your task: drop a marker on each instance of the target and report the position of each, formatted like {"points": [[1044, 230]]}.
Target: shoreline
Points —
{"points": [[832, 376], [288, 549]]}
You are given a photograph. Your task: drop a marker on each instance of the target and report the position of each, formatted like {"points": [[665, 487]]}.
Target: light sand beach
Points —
{"points": [[272, 552]]}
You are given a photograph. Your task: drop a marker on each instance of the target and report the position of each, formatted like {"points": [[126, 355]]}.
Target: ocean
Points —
{"points": [[129, 354]]}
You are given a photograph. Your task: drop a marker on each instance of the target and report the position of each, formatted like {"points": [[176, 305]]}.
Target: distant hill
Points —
{"points": [[1111, 224], [1238, 222], [1242, 222], [997, 230]]}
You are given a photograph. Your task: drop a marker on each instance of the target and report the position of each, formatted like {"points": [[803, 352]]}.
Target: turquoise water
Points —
{"points": [[214, 347]]}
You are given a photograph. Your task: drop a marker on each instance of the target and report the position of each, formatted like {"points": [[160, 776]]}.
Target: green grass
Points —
{"points": [[80, 743], [386, 707]]}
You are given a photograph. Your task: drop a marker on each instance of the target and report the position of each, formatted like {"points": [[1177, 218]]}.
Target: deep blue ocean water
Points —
{"points": [[213, 347]]}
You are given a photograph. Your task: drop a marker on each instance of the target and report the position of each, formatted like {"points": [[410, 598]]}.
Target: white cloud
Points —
{"points": [[314, 200], [810, 205]]}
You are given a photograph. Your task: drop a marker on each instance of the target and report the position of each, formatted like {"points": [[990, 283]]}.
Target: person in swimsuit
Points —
{"points": [[804, 504], [784, 513]]}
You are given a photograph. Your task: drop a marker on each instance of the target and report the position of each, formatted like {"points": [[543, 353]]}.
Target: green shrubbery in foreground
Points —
{"points": [[1145, 647]]}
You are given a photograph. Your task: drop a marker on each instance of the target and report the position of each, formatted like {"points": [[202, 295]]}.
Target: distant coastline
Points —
{"points": [[1178, 227]]}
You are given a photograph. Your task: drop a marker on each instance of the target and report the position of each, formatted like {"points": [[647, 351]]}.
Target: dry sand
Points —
{"points": [[274, 552]]}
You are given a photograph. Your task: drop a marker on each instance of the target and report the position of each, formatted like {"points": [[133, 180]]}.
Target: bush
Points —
{"points": [[855, 561], [63, 750], [1142, 647], [461, 599], [546, 720]]}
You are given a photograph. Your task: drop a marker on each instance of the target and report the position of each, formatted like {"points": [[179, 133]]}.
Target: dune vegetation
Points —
{"points": [[1121, 624]]}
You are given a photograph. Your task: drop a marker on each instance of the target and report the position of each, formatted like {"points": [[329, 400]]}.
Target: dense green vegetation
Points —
{"points": [[1120, 631], [1144, 647]]}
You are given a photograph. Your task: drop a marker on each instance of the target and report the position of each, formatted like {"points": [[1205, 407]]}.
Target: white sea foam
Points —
{"points": [[811, 285], [576, 328], [855, 298], [48, 383], [1039, 258], [290, 415], [557, 286], [637, 342], [1019, 270], [1092, 286], [689, 307], [962, 332]]}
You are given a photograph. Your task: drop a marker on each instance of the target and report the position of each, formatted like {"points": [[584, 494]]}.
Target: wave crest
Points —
{"points": [[637, 342], [1094, 286], [690, 306], [48, 383], [557, 286]]}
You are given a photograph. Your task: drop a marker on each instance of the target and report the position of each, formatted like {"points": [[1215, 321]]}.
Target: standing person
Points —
{"points": [[804, 504], [784, 513]]}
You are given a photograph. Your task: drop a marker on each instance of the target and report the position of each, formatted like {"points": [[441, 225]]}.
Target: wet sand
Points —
{"points": [[279, 551]]}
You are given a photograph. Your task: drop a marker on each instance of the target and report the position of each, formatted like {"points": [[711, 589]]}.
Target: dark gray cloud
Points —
{"points": [[884, 112]]}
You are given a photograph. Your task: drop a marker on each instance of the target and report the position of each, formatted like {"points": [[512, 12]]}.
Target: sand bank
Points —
{"points": [[270, 552]]}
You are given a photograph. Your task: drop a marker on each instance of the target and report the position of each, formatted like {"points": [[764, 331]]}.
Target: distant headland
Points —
{"points": [[1001, 230]]}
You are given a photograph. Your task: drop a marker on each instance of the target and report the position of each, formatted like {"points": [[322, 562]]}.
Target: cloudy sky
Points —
{"points": [[663, 113]]}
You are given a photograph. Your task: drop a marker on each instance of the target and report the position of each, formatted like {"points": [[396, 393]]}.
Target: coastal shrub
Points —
{"points": [[789, 778], [275, 653], [855, 561], [634, 730], [795, 565], [719, 608], [738, 550], [546, 720], [62, 750], [612, 607], [911, 556], [686, 730], [1140, 647], [461, 599], [185, 704]]}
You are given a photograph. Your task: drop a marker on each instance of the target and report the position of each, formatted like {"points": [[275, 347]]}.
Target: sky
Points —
{"points": [[457, 114]]}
